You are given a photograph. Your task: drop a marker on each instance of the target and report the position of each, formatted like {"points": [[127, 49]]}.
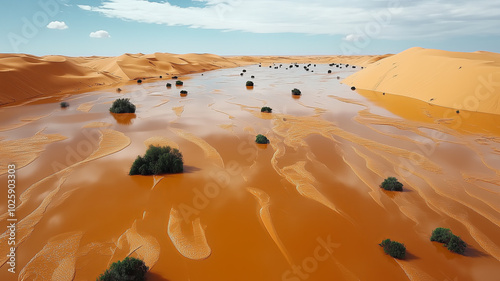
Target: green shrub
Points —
{"points": [[252, 77], [394, 248], [158, 160], [64, 104], [174, 77], [392, 184], [184, 92], [457, 245], [169, 85], [179, 83], [129, 269], [441, 235], [353, 88], [296, 92], [139, 81], [266, 109], [249, 84], [261, 139], [329, 71], [244, 70], [122, 106]]}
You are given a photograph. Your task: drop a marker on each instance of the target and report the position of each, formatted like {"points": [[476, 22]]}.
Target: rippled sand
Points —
{"points": [[307, 206]]}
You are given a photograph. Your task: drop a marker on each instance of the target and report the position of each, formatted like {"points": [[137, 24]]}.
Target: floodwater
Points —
{"points": [[307, 206]]}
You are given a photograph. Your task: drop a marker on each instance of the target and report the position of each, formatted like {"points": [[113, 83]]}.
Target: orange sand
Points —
{"points": [[468, 81]]}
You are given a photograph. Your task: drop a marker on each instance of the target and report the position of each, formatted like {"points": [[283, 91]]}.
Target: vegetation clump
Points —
{"points": [[453, 242], [249, 84], [122, 106], [129, 269], [118, 89], [261, 139], [266, 109], [174, 77], [64, 104], [139, 81], [353, 88], [329, 71], [184, 92], [179, 83], [391, 184], [296, 92], [394, 249], [158, 160], [169, 85]]}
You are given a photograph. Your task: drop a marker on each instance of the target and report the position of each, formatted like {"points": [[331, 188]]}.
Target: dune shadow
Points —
{"points": [[151, 276]]}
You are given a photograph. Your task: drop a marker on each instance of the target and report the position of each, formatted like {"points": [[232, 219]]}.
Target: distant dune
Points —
{"points": [[468, 81], [25, 77]]}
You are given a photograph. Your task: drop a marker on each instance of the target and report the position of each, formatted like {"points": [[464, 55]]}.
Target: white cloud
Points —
{"points": [[352, 37], [100, 34], [395, 19], [57, 25], [85, 7]]}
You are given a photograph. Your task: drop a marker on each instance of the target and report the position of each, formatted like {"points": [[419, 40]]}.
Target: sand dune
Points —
{"points": [[468, 81]]}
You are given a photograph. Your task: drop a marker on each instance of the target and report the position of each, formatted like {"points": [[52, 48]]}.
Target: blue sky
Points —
{"points": [[247, 27]]}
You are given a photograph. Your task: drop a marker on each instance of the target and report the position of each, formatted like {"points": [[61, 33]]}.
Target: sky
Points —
{"points": [[247, 27]]}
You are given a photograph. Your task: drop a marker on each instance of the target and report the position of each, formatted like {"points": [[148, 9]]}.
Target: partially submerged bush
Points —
{"points": [[261, 139], [266, 109], [329, 71], [64, 104], [169, 85], [457, 245], [453, 242], [244, 70], [158, 160], [129, 269], [122, 106], [391, 184], [118, 89], [353, 88], [174, 77], [184, 92], [139, 81], [179, 83], [296, 92], [249, 84], [393, 248], [252, 77]]}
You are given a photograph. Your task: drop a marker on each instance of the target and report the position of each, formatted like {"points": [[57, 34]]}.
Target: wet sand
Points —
{"points": [[307, 206]]}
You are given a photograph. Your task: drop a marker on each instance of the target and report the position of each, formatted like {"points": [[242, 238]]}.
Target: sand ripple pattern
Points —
{"points": [[210, 152], [193, 246]]}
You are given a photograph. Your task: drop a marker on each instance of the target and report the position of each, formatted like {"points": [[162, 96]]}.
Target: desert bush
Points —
{"points": [[122, 106], [64, 104], [353, 88], [158, 160], [453, 242], [456, 245], [118, 89], [266, 109], [244, 70], [329, 71], [184, 92], [179, 83], [391, 184], [129, 269], [252, 77], [249, 84], [139, 81], [174, 77], [161, 76], [169, 85], [441, 235], [393, 248], [296, 92], [261, 139]]}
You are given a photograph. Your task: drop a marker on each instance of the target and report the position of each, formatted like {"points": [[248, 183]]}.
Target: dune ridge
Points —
{"points": [[468, 81]]}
